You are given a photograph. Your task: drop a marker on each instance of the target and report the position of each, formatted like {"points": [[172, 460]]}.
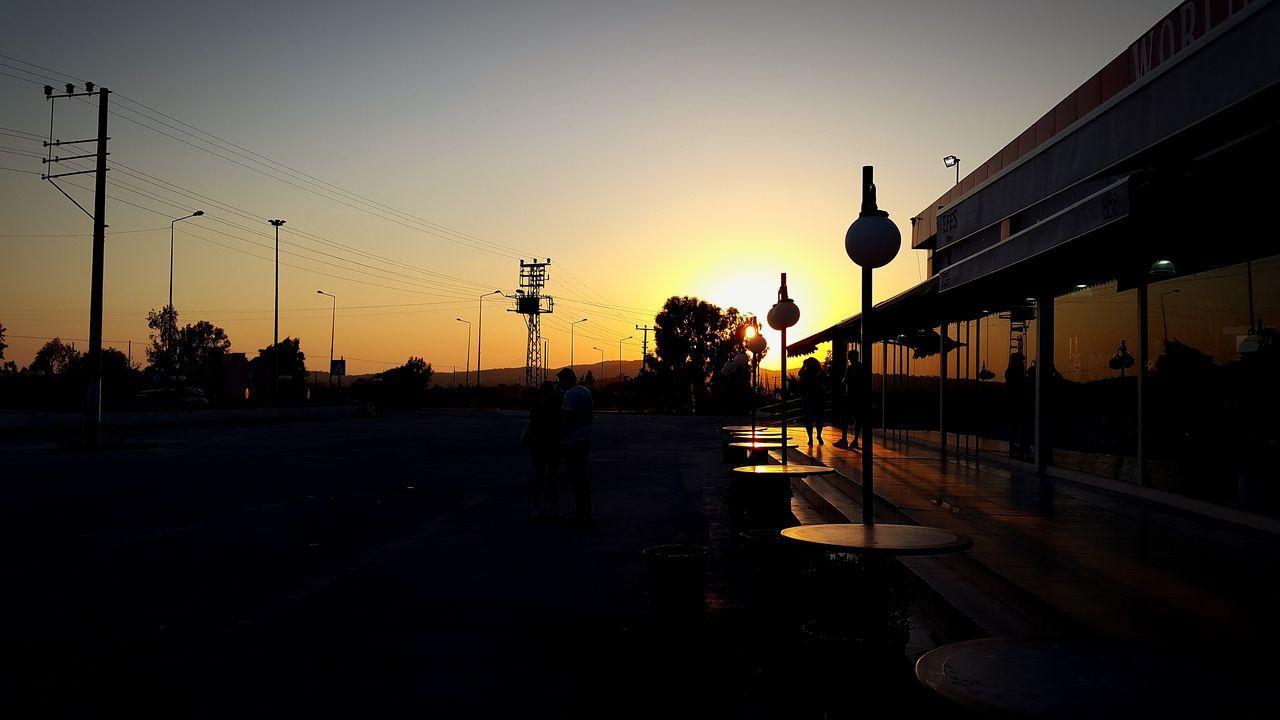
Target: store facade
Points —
{"points": [[1104, 292]]}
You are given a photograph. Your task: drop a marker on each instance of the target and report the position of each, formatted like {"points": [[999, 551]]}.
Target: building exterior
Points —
{"points": [[1104, 295]]}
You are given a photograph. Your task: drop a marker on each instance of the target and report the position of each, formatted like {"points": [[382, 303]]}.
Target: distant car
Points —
{"points": [[172, 398]]}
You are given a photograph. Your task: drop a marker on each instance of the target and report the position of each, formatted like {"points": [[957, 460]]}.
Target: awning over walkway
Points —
{"points": [[904, 312]]}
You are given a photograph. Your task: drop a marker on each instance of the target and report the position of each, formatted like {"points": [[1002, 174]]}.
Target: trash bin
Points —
{"points": [[677, 579]]}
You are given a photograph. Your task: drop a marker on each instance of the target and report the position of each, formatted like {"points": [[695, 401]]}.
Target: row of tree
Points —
{"points": [[693, 340]]}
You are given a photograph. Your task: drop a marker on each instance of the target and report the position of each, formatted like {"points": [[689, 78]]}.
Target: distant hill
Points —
{"points": [[515, 376]]}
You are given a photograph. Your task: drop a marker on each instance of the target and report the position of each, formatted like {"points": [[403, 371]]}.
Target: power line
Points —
{"points": [[380, 210]]}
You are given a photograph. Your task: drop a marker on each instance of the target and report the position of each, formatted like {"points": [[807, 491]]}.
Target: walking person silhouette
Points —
{"points": [[812, 396], [542, 439], [575, 442], [853, 401]]}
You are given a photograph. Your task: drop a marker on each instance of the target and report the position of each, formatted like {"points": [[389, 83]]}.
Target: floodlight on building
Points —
{"points": [[953, 161]]}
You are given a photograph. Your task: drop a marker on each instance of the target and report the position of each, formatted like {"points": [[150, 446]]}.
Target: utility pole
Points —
{"points": [[93, 411], [644, 344]]}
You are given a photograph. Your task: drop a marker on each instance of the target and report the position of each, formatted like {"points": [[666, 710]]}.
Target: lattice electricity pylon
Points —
{"points": [[531, 303]]}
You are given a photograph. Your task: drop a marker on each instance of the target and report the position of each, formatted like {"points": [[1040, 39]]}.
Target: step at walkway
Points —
{"points": [[1065, 558]]}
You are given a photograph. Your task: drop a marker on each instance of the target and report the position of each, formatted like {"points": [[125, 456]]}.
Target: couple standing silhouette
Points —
{"points": [[559, 429]]}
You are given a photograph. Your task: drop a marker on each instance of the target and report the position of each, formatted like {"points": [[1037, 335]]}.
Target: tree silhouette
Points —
{"points": [[194, 352], [403, 386], [290, 367], [56, 358], [2, 342], [693, 338]]}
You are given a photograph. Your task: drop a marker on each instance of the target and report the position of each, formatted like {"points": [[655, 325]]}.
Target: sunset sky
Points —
{"points": [[648, 148]]}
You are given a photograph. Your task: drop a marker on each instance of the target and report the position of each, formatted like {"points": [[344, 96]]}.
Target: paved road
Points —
{"points": [[381, 567]]}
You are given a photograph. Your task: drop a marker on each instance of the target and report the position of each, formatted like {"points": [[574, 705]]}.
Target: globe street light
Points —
{"points": [[333, 326], [480, 333], [197, 213], [575, 322], [468, 375], [620, 355], [872, 241], [782, 315]]}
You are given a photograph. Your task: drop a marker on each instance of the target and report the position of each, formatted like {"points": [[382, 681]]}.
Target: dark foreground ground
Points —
{"points": [[380, 567]]}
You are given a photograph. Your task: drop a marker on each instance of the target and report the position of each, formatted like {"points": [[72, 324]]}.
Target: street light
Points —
{"points": [[593, 347], [872, 241], [275, 333], [620, 355], [1164, 320], [332, 327], [197, 213], [468, 375], [953, 161], [480, 333], [782, 315], [575, 322]]}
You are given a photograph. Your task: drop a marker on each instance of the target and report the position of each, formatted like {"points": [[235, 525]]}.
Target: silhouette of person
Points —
{"points": [[542, 438], [851, 388], [812, 396], [575, 442]]}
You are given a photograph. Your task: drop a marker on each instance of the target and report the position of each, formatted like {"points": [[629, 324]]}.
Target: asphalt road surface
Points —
{"points": [[377, 567]]}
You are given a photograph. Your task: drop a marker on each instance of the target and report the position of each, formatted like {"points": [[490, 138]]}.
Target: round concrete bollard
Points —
{"points": [[677, 580]]}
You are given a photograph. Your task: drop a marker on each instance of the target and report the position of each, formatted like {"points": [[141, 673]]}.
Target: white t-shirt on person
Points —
{"points": [[577, 417]]}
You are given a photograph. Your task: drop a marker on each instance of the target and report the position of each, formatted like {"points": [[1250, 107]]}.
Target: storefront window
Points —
{"points": [[1214, 366], [1093, 395]]}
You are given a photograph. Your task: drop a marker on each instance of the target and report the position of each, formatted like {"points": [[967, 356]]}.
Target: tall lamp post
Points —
{"points": [[332, 327], [197, 213], [467, 382], [1164, 321], [782, 315], [953, 161], [275, 331], [575, 322], [593, 347], [756, 344], [872, 241], [480, 333], [620, 355]]}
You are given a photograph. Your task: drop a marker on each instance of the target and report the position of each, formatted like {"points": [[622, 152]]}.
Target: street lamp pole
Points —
{"points": [[332, 328], [1164, 320], [620, 355], [480, 333], [593, 347], [782, 315], [575, 322], [275, 333], [467, 382], [872, 241], [197, 213]]}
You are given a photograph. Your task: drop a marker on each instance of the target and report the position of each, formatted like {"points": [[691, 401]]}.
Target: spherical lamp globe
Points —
{"points": [[872, 241], [756, 343], [783, 315]]}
